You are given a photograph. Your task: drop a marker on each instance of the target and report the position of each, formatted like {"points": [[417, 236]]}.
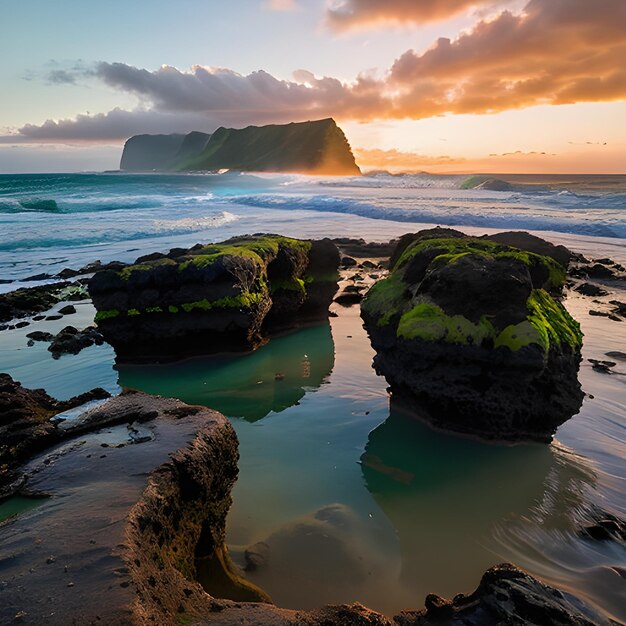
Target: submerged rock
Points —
{"points": [[218, 297], [469, 334], [70, 340]]}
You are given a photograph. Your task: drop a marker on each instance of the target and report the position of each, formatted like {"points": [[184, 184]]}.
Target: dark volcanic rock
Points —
{"points": [[532, 243], [360, 248], [39, 335], [28, 301], [213, 298], [599, 271], [409, 238], [506, 595], [24, 422], [589, 289], [468, 334], [68, 309], [348, 261], [70, 340]]}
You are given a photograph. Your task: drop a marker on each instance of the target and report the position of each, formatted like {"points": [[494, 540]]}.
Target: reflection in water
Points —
{"points": [[423, 512], [460, 506], [273, 378]]}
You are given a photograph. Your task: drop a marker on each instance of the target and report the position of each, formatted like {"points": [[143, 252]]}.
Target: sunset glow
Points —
{"points": [[443, 85]]}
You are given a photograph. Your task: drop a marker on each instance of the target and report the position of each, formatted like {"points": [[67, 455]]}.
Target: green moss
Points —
{"points": [[385, 299], [550, 318], [172, 309], [106, 315], [154, 309], [210, 254], [427, 321], [133, 312], [517, 336], [244, 300], [289, 284], [126, 272], [450, 250]]}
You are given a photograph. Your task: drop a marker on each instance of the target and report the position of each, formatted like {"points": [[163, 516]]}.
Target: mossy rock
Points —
{"points": [[214, 297], [473, 331], [451, 290]]}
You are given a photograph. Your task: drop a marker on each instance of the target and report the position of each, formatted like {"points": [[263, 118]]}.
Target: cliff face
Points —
{"points": [[318, 147], [143, 153]]}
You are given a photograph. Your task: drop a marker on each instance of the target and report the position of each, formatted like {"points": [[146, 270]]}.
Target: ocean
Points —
{"points": [[356, 502], [50, 221]]}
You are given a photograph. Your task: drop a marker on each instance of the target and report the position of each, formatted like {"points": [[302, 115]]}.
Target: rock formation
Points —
{"points": [[314, 147], [213, 298], [470, 336], [25, 426]]}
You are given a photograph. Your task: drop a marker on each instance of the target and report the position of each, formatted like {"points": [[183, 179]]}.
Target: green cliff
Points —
{"points": [[317, 147]]}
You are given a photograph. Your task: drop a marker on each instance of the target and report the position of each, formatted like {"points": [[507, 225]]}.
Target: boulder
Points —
{"points": [[70, 340], [214, 298], [471, 336], [532, 243], [506, 595]]}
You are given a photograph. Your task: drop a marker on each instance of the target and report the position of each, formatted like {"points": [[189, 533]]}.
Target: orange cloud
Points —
{"points": [[396, 160], [553, 52], [350, 14]]}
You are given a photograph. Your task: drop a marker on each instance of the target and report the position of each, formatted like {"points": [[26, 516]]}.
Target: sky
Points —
{"points": [[437, 85]]}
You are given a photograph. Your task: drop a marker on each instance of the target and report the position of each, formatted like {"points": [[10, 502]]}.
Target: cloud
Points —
{"points": [[113, 126], [205, 98], [350, 14], [398, 160], [61, 77], [519, 153], [553, 52]]}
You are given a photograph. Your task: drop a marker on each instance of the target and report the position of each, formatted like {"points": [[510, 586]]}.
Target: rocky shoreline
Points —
{"points": [[168, 528], [177, 522]]}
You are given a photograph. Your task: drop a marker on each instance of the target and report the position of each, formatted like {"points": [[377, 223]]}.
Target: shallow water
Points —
{"points": [[360, 503], [355, 501], [17, 505]]}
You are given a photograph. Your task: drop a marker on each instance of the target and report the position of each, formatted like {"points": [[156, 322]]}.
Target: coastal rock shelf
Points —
{"points": [[136, 548], [470, 334], [213, 298]]}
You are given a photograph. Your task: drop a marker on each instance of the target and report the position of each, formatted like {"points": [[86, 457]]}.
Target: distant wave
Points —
{"points": [[29, 205], [514, 216], [153, 229]]}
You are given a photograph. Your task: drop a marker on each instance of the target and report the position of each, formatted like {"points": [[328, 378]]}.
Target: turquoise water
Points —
{"points": [[356, 502], [51, 221], [359, 503]]}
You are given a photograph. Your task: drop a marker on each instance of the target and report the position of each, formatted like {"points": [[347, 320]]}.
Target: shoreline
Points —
{"points": [[346, 344]]}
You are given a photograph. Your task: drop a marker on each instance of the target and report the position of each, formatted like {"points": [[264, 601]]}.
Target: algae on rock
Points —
{"points": [[473, 334], [217, 297]]}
